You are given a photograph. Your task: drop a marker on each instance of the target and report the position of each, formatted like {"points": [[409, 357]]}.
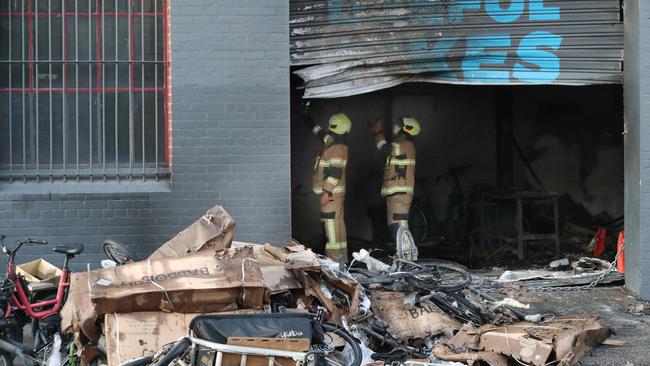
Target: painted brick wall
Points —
{"points": [[637, 146], [230, 142]]}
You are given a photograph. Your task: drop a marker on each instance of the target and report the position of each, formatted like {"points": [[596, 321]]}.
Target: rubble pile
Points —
{"points": [[401, 313]]}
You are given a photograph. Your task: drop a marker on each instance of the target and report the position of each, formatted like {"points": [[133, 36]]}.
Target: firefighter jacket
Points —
{"points": [[329, 169], [399, 173]]}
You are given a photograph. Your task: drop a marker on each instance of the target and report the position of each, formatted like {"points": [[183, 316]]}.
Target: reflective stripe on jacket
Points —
{"points": [[329, 170], [399, 173]]}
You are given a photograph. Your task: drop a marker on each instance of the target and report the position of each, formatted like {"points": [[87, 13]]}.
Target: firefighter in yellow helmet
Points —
{"points": [[399, 173], [329, 183]]}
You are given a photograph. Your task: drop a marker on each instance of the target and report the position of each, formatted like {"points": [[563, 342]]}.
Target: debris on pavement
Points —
{"points": [[561, 341], [404, 313]]}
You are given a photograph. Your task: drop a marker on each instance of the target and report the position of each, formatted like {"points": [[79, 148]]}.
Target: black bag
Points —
{"points": [[217, 328]]}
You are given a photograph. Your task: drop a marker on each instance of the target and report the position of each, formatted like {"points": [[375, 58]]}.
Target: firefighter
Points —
{"points": [[329, 183], [399, 173]]}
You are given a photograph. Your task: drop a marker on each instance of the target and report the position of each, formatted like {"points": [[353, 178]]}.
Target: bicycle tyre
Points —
{"points": [[406, 248], [175, 352], [140, 361], [356, 349], [462, 277], [117, 252]]}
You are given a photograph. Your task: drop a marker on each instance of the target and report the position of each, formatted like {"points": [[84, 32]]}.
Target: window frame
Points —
{"points": [[29, 12]]}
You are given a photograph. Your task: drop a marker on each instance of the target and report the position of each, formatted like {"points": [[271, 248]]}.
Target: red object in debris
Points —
{"points": [[600, 237], [620, 265]]}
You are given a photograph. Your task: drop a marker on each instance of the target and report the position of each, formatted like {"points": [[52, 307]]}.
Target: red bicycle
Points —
{"points": [[37, 303]]}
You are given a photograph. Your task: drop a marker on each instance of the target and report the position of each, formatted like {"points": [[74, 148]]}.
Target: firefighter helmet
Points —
{"points": [[411, 126], [340, 124]]}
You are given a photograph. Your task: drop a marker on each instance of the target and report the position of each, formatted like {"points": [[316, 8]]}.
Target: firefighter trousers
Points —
{"points": [[333, 219], [397, 207]]}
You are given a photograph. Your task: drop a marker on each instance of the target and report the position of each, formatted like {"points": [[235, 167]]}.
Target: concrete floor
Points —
{"points": [[610, 304]]}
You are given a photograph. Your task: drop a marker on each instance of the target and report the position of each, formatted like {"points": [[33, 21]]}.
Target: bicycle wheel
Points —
{"points": [[406, 248], [336, 340], [437, 275], [172, 354], [117, 252]]}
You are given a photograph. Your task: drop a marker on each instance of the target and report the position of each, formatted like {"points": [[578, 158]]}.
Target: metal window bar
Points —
{"points": [[65, 125], [10, 110]]}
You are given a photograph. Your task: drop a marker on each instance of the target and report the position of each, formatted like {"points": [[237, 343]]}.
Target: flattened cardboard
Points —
{"points": [[214, 230], [418, 322], [197, 283], [134, 335]]}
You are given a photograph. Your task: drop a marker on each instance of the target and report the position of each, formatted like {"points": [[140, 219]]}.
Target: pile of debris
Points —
{"points": [[404, 312]]}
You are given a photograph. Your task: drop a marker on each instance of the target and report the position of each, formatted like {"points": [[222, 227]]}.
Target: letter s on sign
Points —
{"points": [[547, 62]]}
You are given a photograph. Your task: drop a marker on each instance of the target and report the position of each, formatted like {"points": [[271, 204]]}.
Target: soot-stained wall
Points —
{"points": [[570, 135]]}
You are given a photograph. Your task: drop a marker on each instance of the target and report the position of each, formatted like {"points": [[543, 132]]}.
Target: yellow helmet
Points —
{"points": [[411, 126], [339, 124]]}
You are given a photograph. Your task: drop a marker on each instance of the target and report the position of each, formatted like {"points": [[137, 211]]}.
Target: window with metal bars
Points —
{"points": [[83, 89]]}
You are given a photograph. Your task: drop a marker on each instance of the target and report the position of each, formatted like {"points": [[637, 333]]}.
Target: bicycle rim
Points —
{"points": [[437, 275], [406, 248], [117, 252]]}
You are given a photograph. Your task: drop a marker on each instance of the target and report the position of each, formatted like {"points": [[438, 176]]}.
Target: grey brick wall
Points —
{"points": [[637, 146], [230, 142]]}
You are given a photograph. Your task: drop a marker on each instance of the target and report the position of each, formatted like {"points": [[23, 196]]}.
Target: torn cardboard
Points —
{"points": [[417, 322], [134, 335], [214, 230], [197, 283], [562, 341], [78, 315]]}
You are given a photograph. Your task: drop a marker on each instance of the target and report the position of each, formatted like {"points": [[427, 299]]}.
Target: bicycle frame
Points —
{"points": [[20, 300]]}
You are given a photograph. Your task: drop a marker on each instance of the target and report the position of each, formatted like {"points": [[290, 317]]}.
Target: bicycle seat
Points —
{"points": [[69, 249]]}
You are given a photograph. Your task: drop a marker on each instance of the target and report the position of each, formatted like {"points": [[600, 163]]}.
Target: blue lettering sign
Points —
{"points": [[477, 55], [501, 15], [547, 62], [440, 50]]}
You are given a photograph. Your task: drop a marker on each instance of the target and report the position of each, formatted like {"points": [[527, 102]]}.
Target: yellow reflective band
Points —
{"points": [[395, 161], [319, 190], [335, 246], [332, 181], [338, 162], [335, 162], [396, 149], [381, 144], [316, 129], [385, 191], [330, 227]]}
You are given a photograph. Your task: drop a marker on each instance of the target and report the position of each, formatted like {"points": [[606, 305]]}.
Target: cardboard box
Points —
{"points": [[214, 230], [285, 344], [134, 335], [39, 270], [197, 283], [78, 314]]}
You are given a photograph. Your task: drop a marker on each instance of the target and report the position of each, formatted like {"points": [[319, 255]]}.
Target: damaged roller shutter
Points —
{"points": [[349, 47]]}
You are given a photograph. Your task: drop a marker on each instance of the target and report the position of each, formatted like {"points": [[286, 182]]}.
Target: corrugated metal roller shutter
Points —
{"points": [[358, 46]]}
